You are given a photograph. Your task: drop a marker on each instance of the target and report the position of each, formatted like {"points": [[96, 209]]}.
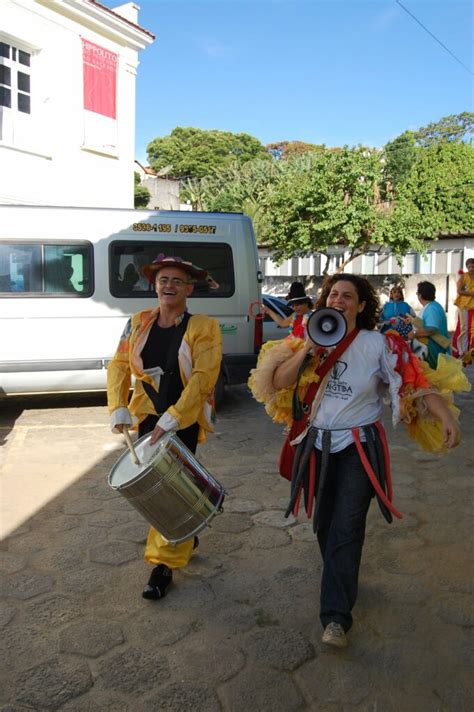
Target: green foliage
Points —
{"points": [[438, 195], [283, 150], [235, 189], [323, 199], [454, 128], [195, 153], [399, 157], [141, 196], [136, 178]]}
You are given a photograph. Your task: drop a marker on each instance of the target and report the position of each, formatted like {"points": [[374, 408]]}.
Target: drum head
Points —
{"points": [[125, 470]]}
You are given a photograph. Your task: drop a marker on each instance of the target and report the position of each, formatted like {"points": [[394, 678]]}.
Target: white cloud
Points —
{"points": [[213, 48]]}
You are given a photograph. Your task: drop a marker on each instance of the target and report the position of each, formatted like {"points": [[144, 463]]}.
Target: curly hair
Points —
{"points": [[368, 318]]}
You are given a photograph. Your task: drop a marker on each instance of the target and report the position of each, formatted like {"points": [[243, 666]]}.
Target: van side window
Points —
{"points": [[127, 258], [46, 269]]}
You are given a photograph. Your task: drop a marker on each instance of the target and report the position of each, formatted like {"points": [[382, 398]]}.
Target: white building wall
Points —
{"points": [[46, 156]]}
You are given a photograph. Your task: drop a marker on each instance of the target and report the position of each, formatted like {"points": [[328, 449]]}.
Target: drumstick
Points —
{"points": [[128, 440]]}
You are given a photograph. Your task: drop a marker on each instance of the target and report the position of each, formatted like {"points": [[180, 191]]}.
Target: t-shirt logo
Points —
{"points": [[338, 369], [337, 388]]}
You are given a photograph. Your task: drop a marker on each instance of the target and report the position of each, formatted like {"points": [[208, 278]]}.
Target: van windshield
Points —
{"points": [[127, 259]]}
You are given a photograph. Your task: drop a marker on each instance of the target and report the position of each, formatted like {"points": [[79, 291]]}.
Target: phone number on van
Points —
{"points": [[167, 227]]}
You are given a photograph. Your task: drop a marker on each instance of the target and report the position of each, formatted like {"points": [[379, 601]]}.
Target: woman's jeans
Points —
{"points": [[341, 531]]}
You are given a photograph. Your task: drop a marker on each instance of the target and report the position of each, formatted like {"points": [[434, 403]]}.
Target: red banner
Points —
{"points": [[100, 79]]}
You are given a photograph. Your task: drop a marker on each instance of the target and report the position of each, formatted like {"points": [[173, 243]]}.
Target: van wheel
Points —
{"points": [[219, 391]]}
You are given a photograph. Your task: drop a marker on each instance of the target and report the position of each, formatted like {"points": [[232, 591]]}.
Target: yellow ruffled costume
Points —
{"points": [[418, 380], [278, 403]]}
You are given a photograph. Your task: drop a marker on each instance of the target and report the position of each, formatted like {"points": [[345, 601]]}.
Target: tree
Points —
{"points": [[438, 195], [283, 150], [455, 127], [399, 156], [235, 189], [141, 193], [326, 199], [195, 153]]}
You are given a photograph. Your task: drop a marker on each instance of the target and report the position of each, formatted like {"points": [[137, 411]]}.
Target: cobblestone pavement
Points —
{"points": [[239, 628]]}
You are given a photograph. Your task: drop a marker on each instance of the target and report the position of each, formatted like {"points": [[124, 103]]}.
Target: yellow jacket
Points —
{"points": [[199, 360]]}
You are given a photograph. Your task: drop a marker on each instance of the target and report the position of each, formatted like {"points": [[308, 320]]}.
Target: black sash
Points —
{"points": [[160, 398]]}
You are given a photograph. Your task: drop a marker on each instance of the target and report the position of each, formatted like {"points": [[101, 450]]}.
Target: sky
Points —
{"points": [[322, 71]]}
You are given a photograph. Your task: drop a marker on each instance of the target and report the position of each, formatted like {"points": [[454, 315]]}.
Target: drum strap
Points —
{"points": [[160, 398]]}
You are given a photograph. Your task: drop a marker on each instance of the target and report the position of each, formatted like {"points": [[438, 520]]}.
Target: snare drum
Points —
{"points": [[171, 488]]}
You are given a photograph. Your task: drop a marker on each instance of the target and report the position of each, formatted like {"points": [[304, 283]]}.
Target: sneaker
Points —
{"points": [[334, 635]]}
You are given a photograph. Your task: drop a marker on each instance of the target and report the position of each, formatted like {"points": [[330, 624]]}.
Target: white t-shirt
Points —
{"points": [[356, 388]]}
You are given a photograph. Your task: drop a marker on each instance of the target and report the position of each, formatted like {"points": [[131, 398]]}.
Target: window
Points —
{"points": [[426, 263], [127, 259], [15, 78], [368, 263], [410, 263], [45, 269]]}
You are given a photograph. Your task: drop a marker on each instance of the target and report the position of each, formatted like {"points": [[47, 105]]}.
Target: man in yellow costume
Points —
{"points": [[175, 359]]}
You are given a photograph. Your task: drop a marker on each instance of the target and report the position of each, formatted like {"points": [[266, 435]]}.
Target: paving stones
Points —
{"points": [[7, 612], [274, 519], [26, 584], [52, 683], [456, 610], [264, 538], [239, 628], [109, 519], [90, 638], [232, 523], [53, 610], [246, 506], [82, 506], [279, 648], [275, 692], [184, 697], [134, 671], [334, 678], [215, 662], [134, 531], [114, 553]]}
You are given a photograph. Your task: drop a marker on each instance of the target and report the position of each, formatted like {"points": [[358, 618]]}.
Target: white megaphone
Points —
{"points": [[326, 327]]}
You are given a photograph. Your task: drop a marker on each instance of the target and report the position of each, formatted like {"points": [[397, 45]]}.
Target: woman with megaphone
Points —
{"points": [[329, 391]]}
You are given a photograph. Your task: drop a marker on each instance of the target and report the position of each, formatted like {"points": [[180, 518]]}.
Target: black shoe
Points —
{"points": [[160, 579]]}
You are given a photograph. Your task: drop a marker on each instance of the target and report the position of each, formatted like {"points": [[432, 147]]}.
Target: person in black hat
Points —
{"points": [[175, 359], [302, 307]]}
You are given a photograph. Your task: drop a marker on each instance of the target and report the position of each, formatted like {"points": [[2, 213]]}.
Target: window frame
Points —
{"points": [[12, 62], [155, 247], [42, 244]]}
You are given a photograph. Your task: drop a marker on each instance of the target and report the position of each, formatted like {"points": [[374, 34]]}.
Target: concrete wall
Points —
{"points": [[445, 289]]}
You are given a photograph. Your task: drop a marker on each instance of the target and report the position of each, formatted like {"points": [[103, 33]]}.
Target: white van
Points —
{"points": [[70, 278]]}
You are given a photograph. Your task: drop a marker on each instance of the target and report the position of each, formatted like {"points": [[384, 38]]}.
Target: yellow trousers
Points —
{"points": [[159, 551]]}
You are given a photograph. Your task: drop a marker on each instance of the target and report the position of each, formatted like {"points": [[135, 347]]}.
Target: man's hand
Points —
{"points": [[156, 434]]}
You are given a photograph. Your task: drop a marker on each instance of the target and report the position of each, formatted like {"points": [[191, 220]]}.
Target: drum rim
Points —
{"points": [[126, 454]]}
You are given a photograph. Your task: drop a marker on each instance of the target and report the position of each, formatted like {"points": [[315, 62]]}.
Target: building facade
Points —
{"points": [[67, 102], [164, 191]]}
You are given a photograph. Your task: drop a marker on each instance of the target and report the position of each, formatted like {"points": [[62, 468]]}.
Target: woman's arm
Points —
{"points": [[277, 318], [450, 427], [286, 373]]}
